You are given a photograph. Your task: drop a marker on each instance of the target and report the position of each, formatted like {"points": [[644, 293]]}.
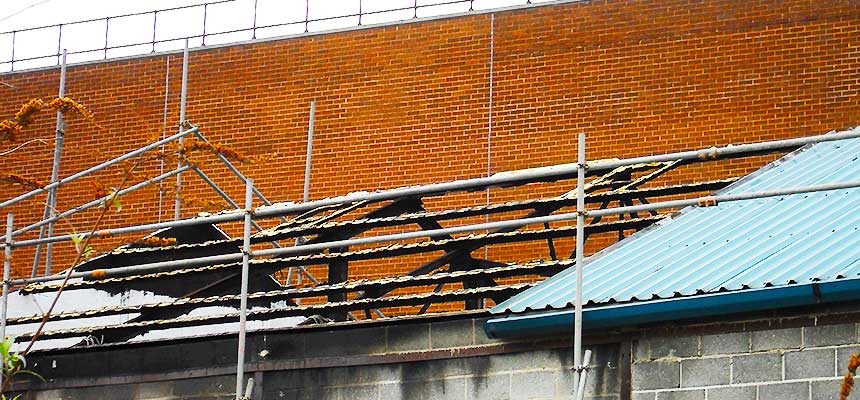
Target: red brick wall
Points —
{"points": [[409, 104]]}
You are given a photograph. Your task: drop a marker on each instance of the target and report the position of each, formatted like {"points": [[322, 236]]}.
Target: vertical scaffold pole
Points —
{"points": [[243, 304], [310, 152], [308, 157], [580, 249], [7, 271], [580, 388], [177, 207], [51, 203]]}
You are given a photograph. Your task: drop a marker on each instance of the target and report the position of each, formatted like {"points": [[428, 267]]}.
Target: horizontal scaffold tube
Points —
{"points": [[210, 219], [96, 202], [514, 223], [97, 168], [555, 172]]}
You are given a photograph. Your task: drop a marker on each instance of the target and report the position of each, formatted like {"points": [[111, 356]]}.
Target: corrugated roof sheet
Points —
{"points": [[734, 246]]}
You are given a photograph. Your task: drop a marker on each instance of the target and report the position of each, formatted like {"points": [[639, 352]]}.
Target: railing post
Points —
{"points": [[13, 49], [60, 43], [254, 28], [154, 25], [205, 11], [307, 14], [107, 27]]}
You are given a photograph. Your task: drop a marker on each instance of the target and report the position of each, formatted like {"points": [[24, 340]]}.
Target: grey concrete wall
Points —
{"points": [[442, 359], [538, 374], [796, 363]]}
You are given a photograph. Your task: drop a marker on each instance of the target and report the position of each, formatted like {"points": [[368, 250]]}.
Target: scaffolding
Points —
{"points": [[404, 209]]}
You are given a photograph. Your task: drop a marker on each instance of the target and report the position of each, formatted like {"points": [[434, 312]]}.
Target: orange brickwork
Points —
{"points": [[409, 103]]}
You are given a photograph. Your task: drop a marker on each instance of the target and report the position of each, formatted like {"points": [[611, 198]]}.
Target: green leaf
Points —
{"points": [[88, 252], [113, 199], [76, 239], [6, 345], [117, 204]]}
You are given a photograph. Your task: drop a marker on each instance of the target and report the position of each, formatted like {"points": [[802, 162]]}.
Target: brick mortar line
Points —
{"points": [[737, 385], [732, 355], [848, 316]]}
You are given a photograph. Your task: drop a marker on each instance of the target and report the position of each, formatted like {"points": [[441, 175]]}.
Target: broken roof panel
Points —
{"points": [[180, 302], [776, 241]]}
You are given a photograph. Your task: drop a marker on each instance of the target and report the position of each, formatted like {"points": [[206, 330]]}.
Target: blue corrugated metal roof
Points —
{"points": [[734, 246]]}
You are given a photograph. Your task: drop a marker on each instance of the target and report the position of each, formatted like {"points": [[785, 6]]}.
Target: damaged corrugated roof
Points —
{"points": [[776, 241], [180, 302]]}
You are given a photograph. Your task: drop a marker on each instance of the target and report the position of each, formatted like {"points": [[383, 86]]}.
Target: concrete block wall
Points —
{"points": [[544, 374], [540, 374], [447, 359], [795, 363]]}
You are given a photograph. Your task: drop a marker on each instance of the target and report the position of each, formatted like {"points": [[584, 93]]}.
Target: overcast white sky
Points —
{"points": [[231, 15]]}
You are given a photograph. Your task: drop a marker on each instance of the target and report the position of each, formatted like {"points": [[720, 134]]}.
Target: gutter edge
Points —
{"points": [[560, 322]]}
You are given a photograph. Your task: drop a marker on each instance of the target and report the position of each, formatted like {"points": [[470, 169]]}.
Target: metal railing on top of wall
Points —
{"points": [[214, 22]]}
